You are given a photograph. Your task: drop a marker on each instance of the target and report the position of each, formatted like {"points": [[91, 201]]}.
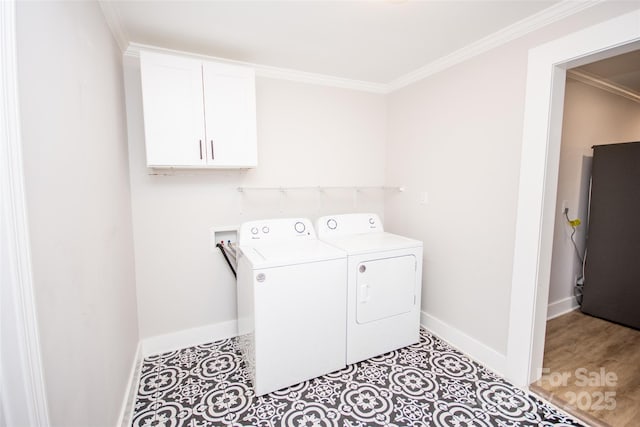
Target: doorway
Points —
{"points": [[546, 76], [589, 363]]}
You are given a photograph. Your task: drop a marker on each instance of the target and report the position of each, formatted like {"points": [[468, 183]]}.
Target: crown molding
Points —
{"points": [[133, 50], [525, 26], [604, 84], [320, 79], [114, 22]]}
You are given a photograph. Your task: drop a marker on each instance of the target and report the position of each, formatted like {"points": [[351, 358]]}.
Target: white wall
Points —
{"points": [[591, 117], [457, 136], [308, 135], [458, 141], [78, 199]]}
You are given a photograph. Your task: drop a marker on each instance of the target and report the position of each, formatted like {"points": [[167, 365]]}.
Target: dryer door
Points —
{"points": [[385, 287]]}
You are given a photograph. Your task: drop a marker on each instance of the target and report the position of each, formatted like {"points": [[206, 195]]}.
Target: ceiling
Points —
{"points": [[375, 41], [622, 70]]}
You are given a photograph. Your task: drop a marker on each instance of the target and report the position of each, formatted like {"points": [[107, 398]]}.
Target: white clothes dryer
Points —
{"points": [[384, 284], [291, 303]]}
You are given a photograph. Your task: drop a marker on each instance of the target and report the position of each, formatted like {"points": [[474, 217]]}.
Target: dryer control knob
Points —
{"points": [[332, 224], [265, 229], [299, 227], [254, 230], [372, 221]]}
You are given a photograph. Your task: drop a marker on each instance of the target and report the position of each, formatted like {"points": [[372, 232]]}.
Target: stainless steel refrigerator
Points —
{"points": [[612, 267]]}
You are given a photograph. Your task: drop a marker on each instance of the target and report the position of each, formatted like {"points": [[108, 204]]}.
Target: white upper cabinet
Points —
{"points": [[198, 113]]}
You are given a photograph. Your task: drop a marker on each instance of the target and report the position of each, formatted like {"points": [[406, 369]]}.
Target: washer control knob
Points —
{"points": [[372, 221], [265, 229], [299, 227], [362, 268], [332, 224], [254, 230]]}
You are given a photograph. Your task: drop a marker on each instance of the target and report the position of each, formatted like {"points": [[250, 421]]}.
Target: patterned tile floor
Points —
{"points": [[426, 384]]}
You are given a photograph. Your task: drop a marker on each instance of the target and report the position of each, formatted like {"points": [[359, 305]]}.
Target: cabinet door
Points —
{"points": [[230, 115], [173, 110]]}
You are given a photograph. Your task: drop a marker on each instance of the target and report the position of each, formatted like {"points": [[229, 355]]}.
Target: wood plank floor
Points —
{"points": [[593, 365]]}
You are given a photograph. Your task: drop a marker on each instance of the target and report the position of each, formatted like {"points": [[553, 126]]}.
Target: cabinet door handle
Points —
{"points": [[200, 149], [212, 157]]}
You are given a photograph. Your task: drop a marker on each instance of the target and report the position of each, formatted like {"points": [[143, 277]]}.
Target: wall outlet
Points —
{"points": [[424, 198], [565, 207]]}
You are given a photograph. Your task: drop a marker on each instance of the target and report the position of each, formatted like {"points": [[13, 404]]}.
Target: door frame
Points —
{"points": [[539, 165], [22, 389]]}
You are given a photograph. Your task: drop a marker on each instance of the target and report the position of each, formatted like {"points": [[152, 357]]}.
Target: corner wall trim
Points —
{"points": [[126, 413], [560, 307], [114, 22], [20, 353], [188, 337], [478, 351]]}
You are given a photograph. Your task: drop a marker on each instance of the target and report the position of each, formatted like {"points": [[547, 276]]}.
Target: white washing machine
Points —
{"points": [[291, 303], [384, 284]]}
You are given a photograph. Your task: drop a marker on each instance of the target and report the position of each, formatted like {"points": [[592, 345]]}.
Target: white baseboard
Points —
{"points": [[563, 306], [188, 337], [164, 343], [473, 348], [126, 412]]}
